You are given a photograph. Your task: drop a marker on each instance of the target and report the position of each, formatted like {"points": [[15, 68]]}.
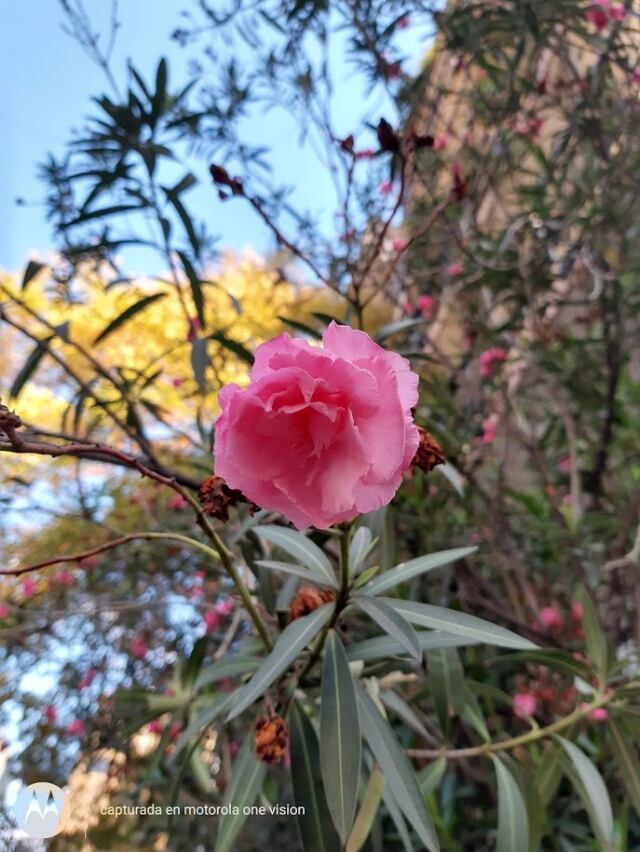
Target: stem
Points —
{"points": [[524, 739]]}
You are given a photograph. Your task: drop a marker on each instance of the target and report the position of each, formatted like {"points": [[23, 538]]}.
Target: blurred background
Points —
{"points": [[459, 179]]}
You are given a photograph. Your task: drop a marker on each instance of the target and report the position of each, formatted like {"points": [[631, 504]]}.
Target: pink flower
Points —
{"points": [[441, 141], [386, 187], [635, 76], [577, 611], [524, 704], [224, 608], [5, 610], [603, 13], [139, 648], [87, 678], [177, 502], [490, 358], [321, 434], [551, 617], [177, 382], [200, 575], [50, 714], [455, 269], [174, 731], [598, 714], [399, 244], [76, 728], [211, 620], [154, 727], [28, 587], [64, 578], [427, 305], [489, 429]]}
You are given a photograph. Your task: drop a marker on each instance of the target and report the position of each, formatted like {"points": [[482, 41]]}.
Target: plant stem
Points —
{"points": [[579, 713]]}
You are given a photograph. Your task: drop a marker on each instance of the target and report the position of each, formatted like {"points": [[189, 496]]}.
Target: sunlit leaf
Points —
{"points": [[592, 789], [408, 570], [127, 314], [366, 812], [300, 547], [385, 646], [246, 781]]}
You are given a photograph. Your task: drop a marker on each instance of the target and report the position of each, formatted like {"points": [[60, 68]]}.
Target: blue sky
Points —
{"points": [[47, 84]]}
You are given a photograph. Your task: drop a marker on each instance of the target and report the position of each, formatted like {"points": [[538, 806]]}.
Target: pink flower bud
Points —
{"points": [[427, 305], [551, 617], [490, 358], [577, 611], [598, 714], [64, 578], [76, 728], [50, 714], [211, 620], [177, 502], [386, 187], [441, 141], [139, 648], [524, 704], [489, 429], [28, 587], [455, 269], [399, 244], [87, 678], [224, 608], [154, 727]]}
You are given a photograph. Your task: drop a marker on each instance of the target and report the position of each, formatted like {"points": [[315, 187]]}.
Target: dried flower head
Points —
{"points": [[271, 738], [309, 599]]}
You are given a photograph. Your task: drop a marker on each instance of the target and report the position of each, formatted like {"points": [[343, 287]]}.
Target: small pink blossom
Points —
{"points": [[577, 611], [76, 728], [490, 358], [441, 141], [200, 575], [524, 704], [87, 678], [139, 648], [635, 76], [174, 731], [603, 12], [224, 608], [455, 269], [211, 619], [598, 714], [386, 187], [399, 244], [177, 502], [489, 429], [551, 617], [5, 610], [427, 306], [28, 587], [64, 578], [177, 382], [154, 727], [50, 714]]}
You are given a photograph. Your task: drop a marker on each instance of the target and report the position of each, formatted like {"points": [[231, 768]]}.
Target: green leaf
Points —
{"points": [[592, 790], [29, 367], [548, 773], [391, 622], [300, 547], [195, 661], [127, 314], [367, 812], [202, 719], [446, 677], [200, 362], [196, 286], [458, 623], [300, 326], [315, 824], [596, 640], [360, 545], [244, 787], [396, 327], [340, 735], [30, 272], [397, 770], [430, 778], [103, 212], [626, 757], [293, 639], [297, 570], [233, 346], [396, 703], [408, 570], [160, 94], [513, 822], [385, 646]]}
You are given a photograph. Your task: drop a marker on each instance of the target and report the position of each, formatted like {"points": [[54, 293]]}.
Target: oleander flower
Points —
{"points": [[321, 434]]}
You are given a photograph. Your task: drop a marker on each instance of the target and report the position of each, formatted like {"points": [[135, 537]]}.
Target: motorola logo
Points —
{"points": [[38, 808]]}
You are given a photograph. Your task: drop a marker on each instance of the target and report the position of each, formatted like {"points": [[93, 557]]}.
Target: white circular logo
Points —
{"points": [[38, 808]]}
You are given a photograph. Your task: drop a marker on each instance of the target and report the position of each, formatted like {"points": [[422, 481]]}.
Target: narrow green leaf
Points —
{"points": [[160, 94], [385, 646], [391, 622], [300, 547], [396, 703], [293, 639], [513, 822], [340, 735], [30, 272], [592, 789], [195, 661], [408, 570], [458, 623], [300, 326], [358, 548], [430, 778], [28, 368], [548, 773], [397, 770], [200, 361], [596, 640], [626, 757], [196, 286], [224, 668], [366, 575], [297, 570], [315, 824], [246, 782], [366, 812], [233, 346], [396, 327], [127, 314], [446, 677]]}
